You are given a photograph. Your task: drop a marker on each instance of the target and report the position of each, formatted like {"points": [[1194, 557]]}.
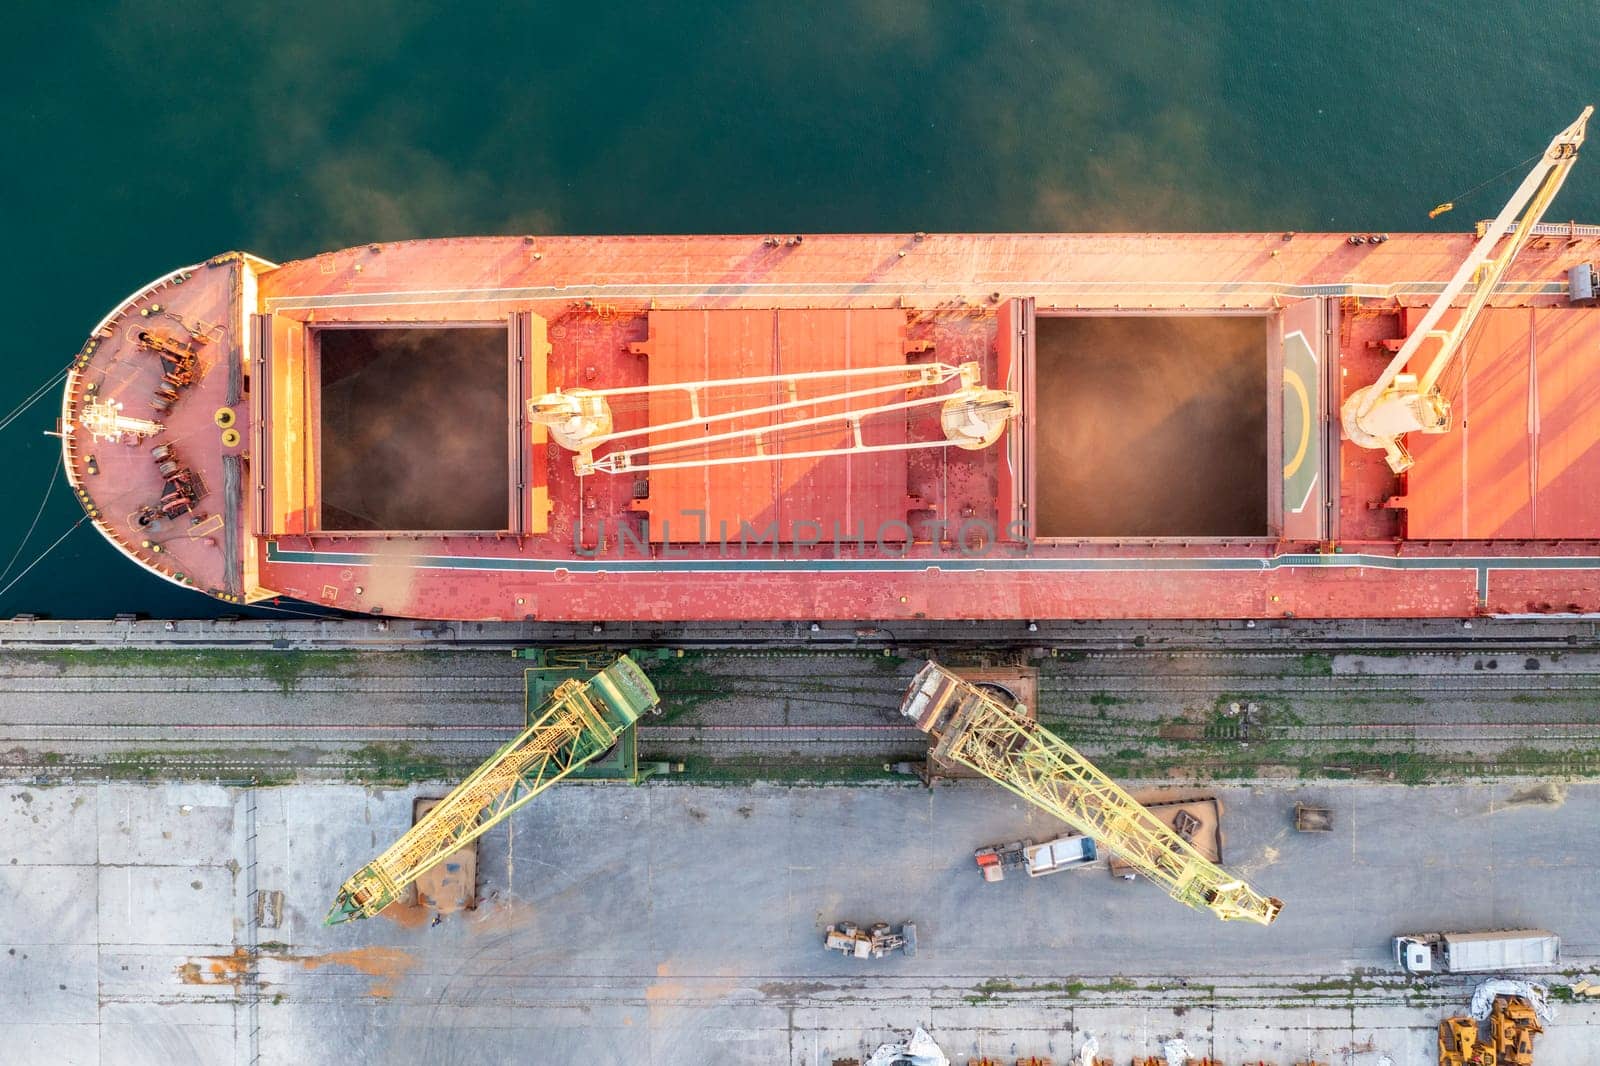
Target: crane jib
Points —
{"points": [[971, 727], [577, 722]]}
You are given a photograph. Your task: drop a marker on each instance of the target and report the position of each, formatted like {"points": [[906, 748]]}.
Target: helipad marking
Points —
{"points": [[1302, 448]]}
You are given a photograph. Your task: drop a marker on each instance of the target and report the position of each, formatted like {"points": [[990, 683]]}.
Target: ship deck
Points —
{"points": [[120, 482], [1178, 454]]}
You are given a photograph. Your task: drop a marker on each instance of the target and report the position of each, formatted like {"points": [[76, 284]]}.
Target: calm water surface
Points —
{"points": [[145, 136]]}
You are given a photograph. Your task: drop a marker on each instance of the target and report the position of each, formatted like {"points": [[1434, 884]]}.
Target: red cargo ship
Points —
{"points": [[871, 427]]}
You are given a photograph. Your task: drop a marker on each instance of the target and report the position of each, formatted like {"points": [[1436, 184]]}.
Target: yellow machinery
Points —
{"points": [[580, 721], [1459, 1044], [973, 728], [1400, 402], [1512, 1026]]}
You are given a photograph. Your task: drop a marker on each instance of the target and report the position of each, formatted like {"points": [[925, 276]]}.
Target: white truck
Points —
{"points": [[1053, 856], [1500, 949]]}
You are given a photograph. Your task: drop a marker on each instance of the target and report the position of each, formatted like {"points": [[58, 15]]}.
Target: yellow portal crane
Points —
{"points": [[580, 720], [1381, 414], [973, 728]]}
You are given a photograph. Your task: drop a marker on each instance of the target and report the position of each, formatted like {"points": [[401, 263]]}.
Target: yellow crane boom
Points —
{"points": [[580, 720], [971, 727]]}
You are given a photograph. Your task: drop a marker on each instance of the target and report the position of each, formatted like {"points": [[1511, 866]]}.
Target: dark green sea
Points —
{"points": [[145, 136]]}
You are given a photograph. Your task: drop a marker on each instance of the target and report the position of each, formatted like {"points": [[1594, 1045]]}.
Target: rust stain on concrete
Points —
{"points": [[215, 969], [405, 915], [386, 964]]}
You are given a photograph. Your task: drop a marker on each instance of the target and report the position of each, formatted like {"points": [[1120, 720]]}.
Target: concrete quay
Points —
{"points": [[670, 924]]}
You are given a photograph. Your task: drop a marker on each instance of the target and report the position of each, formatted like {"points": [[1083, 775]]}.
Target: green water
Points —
{"points": [[141, 137]]}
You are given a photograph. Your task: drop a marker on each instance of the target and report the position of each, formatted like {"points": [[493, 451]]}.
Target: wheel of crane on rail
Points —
{"points": [[1002, 692]]}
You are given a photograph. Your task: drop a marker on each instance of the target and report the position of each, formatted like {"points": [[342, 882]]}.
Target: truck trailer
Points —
{"points": [[1501, 949], [1053, 856]]}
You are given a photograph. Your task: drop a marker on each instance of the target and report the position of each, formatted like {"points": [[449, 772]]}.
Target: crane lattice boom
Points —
{"points": [[976, 730], [579, 721]]}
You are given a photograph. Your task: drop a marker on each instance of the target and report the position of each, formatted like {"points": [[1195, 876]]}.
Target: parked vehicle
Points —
{"points": [[1053, 856], [873, 942], [1502, 949]]}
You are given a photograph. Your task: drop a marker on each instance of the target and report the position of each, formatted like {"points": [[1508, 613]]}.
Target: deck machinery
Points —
{"points": [[580, 721], [972, 727]]}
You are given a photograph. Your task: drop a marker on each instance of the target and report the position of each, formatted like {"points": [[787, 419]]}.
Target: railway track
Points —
{"points": [[737, 704], [1340, 685], [1464, 732], [869, 697], [158, 684], [64, 736]]}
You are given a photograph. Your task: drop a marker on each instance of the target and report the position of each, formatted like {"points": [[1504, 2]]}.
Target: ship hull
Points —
{"points": [[1177, 453]]}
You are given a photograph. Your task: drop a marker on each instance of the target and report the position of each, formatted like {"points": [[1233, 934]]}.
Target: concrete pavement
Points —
{"points": [[671, 924]]}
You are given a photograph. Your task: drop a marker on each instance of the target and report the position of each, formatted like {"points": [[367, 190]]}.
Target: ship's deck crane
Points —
{"points": [[580, 720], [1400, 402], [971, 416], [973, 728]]}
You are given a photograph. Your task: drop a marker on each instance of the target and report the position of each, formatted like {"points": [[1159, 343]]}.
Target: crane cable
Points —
{"points": [[34, 397], [1458, 373], [35, 524], [1450, 204], [42, 555]]}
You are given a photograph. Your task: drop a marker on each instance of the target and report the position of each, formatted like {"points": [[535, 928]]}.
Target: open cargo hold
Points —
{"points": [[413, 428], [1151, 426]]}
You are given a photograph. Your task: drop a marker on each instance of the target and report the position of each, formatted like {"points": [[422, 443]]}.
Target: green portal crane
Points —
{"points": [[579, 721]]}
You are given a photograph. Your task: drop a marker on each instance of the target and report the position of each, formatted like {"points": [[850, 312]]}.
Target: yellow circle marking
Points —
{"points": [[1291, 379]]}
